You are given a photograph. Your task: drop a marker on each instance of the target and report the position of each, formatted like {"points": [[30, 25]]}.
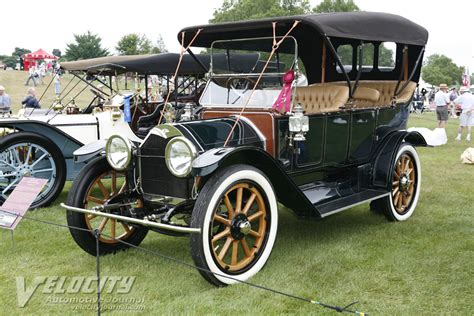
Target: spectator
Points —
{"points": [[30, 100], [31, 76], [38, 74], [466, 100], [452, 96], [442, 102], [5, 101], [57, 84]]}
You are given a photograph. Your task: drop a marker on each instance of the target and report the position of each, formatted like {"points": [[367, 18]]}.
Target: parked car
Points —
{"points": [[342, 142], [41, 142]]}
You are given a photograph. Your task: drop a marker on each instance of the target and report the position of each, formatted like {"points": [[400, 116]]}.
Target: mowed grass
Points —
{"points": [[14, 83], [422, 266]]}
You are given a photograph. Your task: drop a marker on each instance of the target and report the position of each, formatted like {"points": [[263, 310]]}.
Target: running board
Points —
{"points": [[349, 201], [134, 220]]}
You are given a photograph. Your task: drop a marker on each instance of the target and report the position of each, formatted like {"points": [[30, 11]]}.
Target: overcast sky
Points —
{"points": [[34, 25]]}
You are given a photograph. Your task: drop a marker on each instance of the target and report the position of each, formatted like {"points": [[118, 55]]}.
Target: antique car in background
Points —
{"points": [[264, 139], [41, 142]]}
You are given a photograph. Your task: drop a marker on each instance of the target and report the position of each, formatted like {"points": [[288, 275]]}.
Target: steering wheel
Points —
{"points": [[97, 94], [240, 83]]}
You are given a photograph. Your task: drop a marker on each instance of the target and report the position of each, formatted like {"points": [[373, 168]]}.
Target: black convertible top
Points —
{"points": [[368, 26], [162, 64]]}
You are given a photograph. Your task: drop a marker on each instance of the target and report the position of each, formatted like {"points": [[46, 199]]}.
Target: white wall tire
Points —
{"points": [[211, 202], [406, 185]]}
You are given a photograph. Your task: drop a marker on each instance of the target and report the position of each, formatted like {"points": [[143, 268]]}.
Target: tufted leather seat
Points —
{"points": [[321, 98], [386, 89], [365, 97]]}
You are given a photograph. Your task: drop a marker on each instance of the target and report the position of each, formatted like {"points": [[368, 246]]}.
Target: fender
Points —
{"points": [[90, 151], [286, 190], [385, 158], [65, 143]]}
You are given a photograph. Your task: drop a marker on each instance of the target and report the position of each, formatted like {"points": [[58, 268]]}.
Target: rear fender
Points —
{"points": [[286, 190], [385, 159]]}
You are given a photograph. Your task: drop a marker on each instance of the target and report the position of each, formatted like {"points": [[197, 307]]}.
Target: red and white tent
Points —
{"points": [[30, 59]]}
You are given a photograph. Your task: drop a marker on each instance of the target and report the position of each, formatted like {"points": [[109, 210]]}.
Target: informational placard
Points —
{"points": [[19, 201]]}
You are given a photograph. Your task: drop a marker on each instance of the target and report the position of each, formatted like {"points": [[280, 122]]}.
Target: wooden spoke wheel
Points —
{"points": [[237, 213], [405, 186], [97, 183], [238, 227], [106, 186]]}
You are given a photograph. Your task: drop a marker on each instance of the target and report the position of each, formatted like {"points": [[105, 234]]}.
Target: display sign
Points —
{"points": [[19, 201]]}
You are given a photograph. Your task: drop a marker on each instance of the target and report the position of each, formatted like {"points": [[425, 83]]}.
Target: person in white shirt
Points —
{"points": [[31, 76], [442, 102], [466, 100], [57, 84], [5, 101]]}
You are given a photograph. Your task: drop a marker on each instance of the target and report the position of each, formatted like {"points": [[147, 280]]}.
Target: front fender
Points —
{"points": [[286, 190], [90, 151]]}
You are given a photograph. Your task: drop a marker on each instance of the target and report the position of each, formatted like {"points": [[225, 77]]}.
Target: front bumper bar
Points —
{"points": [[143, 222]]}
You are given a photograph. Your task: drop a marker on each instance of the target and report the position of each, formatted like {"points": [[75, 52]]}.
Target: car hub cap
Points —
{"points": [[104, 187], [26, 160], [239, 226], [403, 185]]}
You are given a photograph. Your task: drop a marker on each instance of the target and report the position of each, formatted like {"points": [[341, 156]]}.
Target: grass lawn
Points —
{"points": [[422, 266]]}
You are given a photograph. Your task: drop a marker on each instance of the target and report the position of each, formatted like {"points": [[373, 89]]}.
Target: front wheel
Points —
{"points": [[406, 184], [238, 215], [96, 183]]}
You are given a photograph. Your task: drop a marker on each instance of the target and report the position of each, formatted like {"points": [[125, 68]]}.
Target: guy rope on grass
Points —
{"points": [[96, 233]]}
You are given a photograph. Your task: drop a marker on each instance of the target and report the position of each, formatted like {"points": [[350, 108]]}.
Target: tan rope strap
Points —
{"points": [[275, 46], [181, 54]]}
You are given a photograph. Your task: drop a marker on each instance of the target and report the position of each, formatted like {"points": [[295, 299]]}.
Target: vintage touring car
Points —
{"points": [[267, 137]]}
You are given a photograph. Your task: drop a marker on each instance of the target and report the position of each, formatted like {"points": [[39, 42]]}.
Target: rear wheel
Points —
{"points": [[406, 184], [25, 154], [237, 212], [96, 183]]}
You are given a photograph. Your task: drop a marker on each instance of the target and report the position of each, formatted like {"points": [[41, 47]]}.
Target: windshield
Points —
{"points": [[231, 85]]}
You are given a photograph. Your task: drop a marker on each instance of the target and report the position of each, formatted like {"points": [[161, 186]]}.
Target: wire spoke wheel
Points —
{"points": [[238, 228], [403, 183], [104, 187], [26, 160]]}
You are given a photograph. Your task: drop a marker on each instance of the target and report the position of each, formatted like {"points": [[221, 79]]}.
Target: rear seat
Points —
{"points": [[322, 98], [365, 98]]}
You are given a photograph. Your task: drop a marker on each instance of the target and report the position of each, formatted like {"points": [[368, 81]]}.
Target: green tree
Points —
{"points": [[236, 10], [86, 46], [439, 69], [160, 46], [20, 51], [10, 61], [57, 52], [336, 6], [138, 44], [133, 44]]}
